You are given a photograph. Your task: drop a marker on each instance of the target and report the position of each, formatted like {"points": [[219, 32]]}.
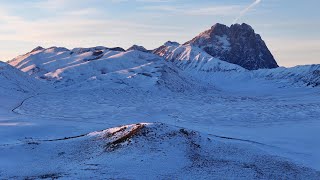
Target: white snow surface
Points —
{"points": [[97, 113], [12, 80]]}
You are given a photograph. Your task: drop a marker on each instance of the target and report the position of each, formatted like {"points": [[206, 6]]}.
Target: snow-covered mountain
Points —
{"points": [[80, 64], [100, 66], [237, 44]]}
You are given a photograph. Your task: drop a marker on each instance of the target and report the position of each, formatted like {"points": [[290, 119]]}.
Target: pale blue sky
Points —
{"points": [[291, 28]]}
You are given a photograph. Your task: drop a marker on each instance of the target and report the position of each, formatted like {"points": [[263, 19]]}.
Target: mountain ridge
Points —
{"points": [[59, 64]]}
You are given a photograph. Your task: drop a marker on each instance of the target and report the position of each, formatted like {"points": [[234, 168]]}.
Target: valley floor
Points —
{"points": [[282, 127]]}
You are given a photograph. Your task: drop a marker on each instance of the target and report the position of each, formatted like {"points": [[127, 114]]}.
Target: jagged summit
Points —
{"points": [[243, 25], [55, 48], [218, 29], [95, 49], [171, 43], [117, 49], [237, 44], [38, 48], [137, 48]]}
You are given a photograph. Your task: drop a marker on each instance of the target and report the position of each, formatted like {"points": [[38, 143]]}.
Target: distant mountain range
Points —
{"points": [[237, 52]]}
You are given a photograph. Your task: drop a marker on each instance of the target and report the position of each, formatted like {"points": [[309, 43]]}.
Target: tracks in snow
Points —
{"points": [[83, 135], [21, 103]]}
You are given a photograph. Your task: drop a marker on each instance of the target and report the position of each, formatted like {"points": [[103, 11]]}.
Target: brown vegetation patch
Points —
{"points": [[125, 137]]}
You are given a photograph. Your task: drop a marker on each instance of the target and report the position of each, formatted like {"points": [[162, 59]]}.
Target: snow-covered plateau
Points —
{"points": [[172, 113]]}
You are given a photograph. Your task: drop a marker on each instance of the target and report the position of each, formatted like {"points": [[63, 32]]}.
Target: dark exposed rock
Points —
{"points": [[94, 49], [171, 43], [37, 49], [84, 50], [237, 44], [117, 49], [97, 53]]}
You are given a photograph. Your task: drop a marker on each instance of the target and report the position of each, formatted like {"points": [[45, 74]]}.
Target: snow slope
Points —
{"points": [[13, 80], [188, 57], [146, 150], [15, 86], [306, 75]]}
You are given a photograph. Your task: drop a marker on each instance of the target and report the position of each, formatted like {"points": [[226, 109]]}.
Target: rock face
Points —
{"points": [[237, 44]]}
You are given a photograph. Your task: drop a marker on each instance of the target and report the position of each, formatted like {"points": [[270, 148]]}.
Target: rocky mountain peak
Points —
{"points": [[237, 44], [243, 26], [218, 29]]}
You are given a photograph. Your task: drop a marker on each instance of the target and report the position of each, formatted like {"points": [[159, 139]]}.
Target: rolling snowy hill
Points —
{"points": [[84, 64], [100, 66], [148, 150]]}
